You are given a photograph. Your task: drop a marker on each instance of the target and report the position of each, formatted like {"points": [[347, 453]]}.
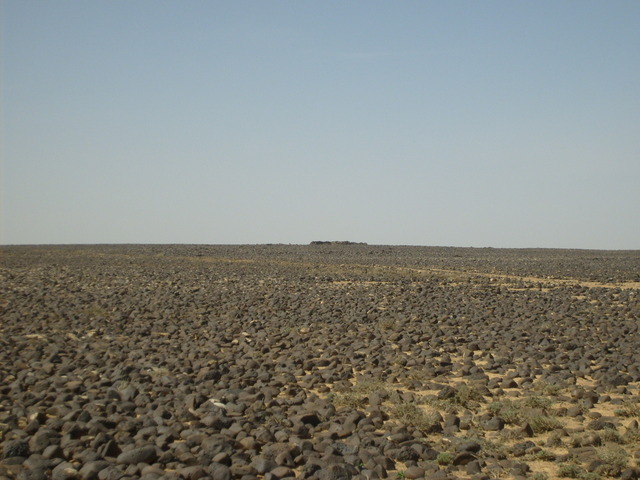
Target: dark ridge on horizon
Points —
{"points": [[319, 243]]}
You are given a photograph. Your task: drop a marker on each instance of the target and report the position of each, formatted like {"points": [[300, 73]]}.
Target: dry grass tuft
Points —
{"points": [[412, 415], [615, 460], [531, 410], [467, 396], [356, 396], [613, 436], [537, 402], [629, 409], [541, 423], [570, 470], [547, 389]]}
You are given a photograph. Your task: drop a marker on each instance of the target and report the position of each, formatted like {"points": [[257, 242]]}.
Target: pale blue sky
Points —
{"points": [[494, 123]]}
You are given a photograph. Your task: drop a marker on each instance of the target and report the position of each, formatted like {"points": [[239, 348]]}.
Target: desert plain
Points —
{"points": [[329, 361]]}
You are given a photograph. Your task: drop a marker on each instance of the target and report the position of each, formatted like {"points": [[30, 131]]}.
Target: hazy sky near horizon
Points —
{"points": [[495, 123]]}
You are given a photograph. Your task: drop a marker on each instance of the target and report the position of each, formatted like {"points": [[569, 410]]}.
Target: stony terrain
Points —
{"points": [[323, 361]]}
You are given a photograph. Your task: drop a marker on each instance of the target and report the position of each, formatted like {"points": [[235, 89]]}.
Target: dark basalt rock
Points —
{"points": [[601, 424], [446, 392], [493, 424], [90, 470], [65, 471], [469, 446], [147, 454], [189, 362], [219, 471], [337, 471], [34, 474], [16, 448], [310, 419], [630, 474], [464, 458], [414, 472]]}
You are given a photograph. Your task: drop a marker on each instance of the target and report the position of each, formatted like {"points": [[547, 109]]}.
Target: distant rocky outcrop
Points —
{"points": [[336, 242]]}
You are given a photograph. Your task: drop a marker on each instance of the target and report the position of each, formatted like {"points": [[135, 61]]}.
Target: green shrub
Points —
{"points": [[590, 476], [540, 476], [386, 324], [544, 455], [570, 470], [444, 459]]}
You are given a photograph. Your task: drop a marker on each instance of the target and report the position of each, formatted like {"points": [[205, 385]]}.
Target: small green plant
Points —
{"points": [[510, 435], [121, 385], [581, 409], [386, 324], [575, 440], [466, 396], [157, 372], [401, 475], [444, 459], [274, 421], [554, 440], [570, 470], [94, 311], [286, 329], [497, 450], [631, 436], [540, 476], [349, 399], [367, 387], [589, 476], [542, 455], [440, 405]]}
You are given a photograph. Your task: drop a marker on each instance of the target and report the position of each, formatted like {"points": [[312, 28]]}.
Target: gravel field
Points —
{"points": [[327, 362]]}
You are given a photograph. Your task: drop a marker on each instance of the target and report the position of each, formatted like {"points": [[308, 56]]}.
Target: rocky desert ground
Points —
{"points": [[326, 361]]}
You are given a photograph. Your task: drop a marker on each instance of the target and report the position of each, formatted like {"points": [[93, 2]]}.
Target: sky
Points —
{"points": [[463, 123]]}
